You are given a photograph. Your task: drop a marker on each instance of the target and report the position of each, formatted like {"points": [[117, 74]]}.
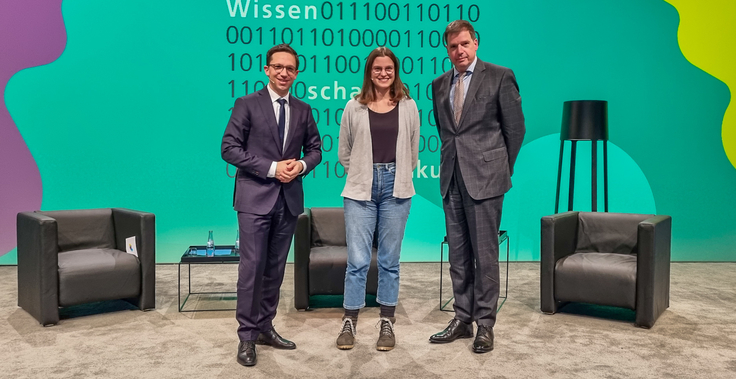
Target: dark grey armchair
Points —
{"points": [[614, 259], [78, 256], [321, 256]]}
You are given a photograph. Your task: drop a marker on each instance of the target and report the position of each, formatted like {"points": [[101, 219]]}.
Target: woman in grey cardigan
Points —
{"points": [[378, 145]]}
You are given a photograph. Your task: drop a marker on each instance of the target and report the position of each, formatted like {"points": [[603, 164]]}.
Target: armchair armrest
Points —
{"points": [[302, 247], [559, 233], [653, 269], [38, 264], [142, 225]]}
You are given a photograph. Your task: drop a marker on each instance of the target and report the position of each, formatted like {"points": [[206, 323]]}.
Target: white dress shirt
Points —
{"points": [[287, 113]]}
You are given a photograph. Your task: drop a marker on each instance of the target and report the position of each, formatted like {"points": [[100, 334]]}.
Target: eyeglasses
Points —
{"points": [[291, 70], [378, 70]]}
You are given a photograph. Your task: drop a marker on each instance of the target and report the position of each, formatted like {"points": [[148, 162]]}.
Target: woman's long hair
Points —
{"points": [[367, 93]]}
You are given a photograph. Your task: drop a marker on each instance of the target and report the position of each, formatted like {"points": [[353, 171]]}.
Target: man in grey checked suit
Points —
{"points": [[477, 108]]}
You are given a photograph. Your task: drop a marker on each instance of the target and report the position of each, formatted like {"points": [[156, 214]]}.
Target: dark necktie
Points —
{"points": [[282, 120]]}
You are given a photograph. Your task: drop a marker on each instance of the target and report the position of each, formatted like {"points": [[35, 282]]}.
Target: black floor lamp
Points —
{"points": [[584, 120]]}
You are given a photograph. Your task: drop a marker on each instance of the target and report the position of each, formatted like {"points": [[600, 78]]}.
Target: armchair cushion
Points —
{"points": [[597, 278], [97, 274], [84, 229], [327, 267], [328, 227], [608, 232]]}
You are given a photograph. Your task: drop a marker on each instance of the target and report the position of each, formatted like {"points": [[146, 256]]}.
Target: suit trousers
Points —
{"points": [[264, 246], [472, 236]]}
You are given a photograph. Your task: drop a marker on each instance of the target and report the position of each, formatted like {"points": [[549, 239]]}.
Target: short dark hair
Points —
{"points": [[458, 26], [282, 48]]}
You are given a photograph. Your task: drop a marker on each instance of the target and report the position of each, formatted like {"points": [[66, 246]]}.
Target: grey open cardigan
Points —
{"points": [[355, 150]]}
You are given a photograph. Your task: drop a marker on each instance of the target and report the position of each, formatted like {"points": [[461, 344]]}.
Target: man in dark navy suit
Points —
{"points": [[273, 141]]}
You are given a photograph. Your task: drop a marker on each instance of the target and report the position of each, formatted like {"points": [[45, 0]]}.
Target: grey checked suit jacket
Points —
{"points": [[485, 144]]}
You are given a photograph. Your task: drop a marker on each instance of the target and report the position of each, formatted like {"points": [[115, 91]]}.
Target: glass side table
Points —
{"points": [[223, 254]]}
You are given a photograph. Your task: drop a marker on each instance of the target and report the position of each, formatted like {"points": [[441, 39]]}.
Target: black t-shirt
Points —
{"points": [[384, 131]]}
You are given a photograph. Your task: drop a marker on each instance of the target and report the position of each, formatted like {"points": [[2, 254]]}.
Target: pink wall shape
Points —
{"points": [[32, 33]]}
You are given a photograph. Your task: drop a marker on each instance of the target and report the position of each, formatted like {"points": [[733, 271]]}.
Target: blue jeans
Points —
{"points": [[389, 215]]}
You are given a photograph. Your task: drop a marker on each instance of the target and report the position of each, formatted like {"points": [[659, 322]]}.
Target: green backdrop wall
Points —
{"points": [[131, 114]]}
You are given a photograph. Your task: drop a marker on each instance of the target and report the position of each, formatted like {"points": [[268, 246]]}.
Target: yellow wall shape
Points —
{"points": [[707, 38]]}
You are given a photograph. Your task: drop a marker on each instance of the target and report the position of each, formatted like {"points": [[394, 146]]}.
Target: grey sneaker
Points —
{"points": [[346, 338], [386, 338]]}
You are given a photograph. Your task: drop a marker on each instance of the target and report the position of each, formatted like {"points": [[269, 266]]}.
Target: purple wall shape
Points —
{"points": [[32, 33]]}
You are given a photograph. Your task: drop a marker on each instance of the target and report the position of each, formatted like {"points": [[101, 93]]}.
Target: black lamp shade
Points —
{"points": [[584, 120]]}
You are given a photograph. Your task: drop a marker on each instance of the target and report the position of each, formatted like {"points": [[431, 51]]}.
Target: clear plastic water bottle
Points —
{"points": [[210, 245], [236, 249]]}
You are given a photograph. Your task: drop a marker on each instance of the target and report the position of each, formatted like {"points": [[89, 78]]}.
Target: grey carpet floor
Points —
{"points": [[694, 338]]}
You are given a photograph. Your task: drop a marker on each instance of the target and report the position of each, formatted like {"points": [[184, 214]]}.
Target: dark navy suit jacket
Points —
{"points": [[251, 143]]}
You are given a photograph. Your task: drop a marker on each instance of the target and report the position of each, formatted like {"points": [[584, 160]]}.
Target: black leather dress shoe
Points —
{"points": [[483, 339], [454, 330], [247, 353], [273, 339]]}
